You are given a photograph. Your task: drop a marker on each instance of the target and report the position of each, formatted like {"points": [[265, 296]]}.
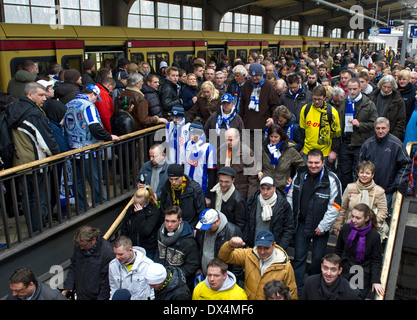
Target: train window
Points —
{"points": [[155, 58], [182, 59], [71, 62], [242, 54], [202, 54], [231, 56], [104, 57], [215, 54], [137, 57], [43, 64]]}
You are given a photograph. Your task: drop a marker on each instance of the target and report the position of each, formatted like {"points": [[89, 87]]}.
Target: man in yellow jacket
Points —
{"points": [[220, 284], [265, 262]]}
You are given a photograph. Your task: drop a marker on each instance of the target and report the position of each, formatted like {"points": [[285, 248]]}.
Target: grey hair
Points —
{"points": [[337, 91], [133, 79], [240, 69], [32, 87], [388, 78], [382, 119]]}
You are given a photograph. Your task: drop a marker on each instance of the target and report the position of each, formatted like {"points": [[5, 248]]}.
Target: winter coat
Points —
{"points": [[43, 291], [88, 274], [122, 123], [295, 104], [408, 93], [324, 204], [229, 290], [392, 163], [66, 91], [351, 197], [32, 134], [313, 289], [211, 125], [176, 288], [152, 96], [294, 132], [192, 201], [204, 108], [366, 114], [268, 101], [280, 269], [142, 227], [105, 107], [146, 170], [182, 253], [16, 86], [140, 112], [395, 113], [281, 225], [372, 263], [169, 95], [243, 163], [289, 162], [133, 280], [187, 94]]}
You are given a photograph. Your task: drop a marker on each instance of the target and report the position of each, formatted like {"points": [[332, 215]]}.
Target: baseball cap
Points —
{"points": [[264, 238], [95, 89], [268, 180], [45, 83], [206, 219], [227, 97], [163, 64]]}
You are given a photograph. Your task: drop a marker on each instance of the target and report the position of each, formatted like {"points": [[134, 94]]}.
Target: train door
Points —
{"points": [[105, 57], [215, 53]]}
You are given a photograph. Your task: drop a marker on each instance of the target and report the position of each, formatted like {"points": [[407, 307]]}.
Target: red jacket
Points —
{"points": [[105, 107]]}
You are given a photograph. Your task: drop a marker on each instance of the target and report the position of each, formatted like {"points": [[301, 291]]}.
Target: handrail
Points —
{"points": [[392, 233], [62, 155], [118, 220]]}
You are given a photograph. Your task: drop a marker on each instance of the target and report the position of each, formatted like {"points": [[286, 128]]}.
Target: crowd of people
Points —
{"points": [[258, 157]]}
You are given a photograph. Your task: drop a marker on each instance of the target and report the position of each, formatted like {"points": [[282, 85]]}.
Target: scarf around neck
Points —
{"points": [[364, 193], [275, 153], [361, 233], [254, 96], [328, 129], [180, 189], [267, 206], [224, 119]]}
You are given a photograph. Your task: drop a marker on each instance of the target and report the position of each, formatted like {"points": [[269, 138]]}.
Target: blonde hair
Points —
{"points": [[404, 74], [146, 193], [214, 92]]}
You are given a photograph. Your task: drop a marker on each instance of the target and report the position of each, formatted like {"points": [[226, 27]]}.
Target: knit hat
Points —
{"points": [[88, 64], [121, 294], [256, 69], [71, 75], [196, 126], [175, 170], [177, 111], [155, 274]]}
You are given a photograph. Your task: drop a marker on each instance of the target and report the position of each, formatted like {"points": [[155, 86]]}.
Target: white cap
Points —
{"points": [[155, 274], [268, 180], [45, 83]]}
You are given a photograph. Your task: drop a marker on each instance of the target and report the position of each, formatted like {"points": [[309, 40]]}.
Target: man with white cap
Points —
{"points": [[177, 134], [84, 127], [213, 229], [220, 284], [168, 282], [265, 262], [268, 209]]}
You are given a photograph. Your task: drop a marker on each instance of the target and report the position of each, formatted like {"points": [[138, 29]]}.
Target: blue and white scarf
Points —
{"points": [[254, 97], [274, 153], [224, 118]]}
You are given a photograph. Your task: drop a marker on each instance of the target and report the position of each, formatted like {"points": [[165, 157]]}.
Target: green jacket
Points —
{"points": [[16, 86]]}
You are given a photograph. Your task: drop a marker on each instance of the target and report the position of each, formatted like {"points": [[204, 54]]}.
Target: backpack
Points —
{"points": [[7, 148]]}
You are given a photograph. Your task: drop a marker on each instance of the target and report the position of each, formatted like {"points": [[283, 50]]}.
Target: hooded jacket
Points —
{"points": [[32, 134], [16, 86], [133, 280], [176, 288], [66, 91], [280, 269], [152, 96], [229, 290]]}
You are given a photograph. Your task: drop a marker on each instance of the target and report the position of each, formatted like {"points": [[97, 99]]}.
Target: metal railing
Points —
{"points": [[42, 195], [393, 233]]}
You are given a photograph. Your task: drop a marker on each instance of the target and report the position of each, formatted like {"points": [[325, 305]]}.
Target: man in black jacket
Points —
{"points": [[269, 210], [329, 284], [182, 191], [88, 274], [170, 91]]}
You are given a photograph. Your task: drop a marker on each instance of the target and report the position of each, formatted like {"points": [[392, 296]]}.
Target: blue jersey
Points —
{"points": [[176, 137]]}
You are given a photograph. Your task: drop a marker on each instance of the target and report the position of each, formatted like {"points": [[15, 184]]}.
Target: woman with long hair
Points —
{"points": [[360, 249], [142, 221], [208, 102]]}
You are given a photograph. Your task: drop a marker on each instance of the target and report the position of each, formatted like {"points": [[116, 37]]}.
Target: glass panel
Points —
{"points": [[187, 12], [187, 24], [147, 7], [228, 17], [197, 25], [71, 4], [43, 15], [17, 1], [133, 21], [162, 23], [42, 3], [90, 18], [134, 9], [70, 17], [147, 22], [197, 13], [16, 14], [90, 5], [162, 9], [174, 23], [174, 11]]}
